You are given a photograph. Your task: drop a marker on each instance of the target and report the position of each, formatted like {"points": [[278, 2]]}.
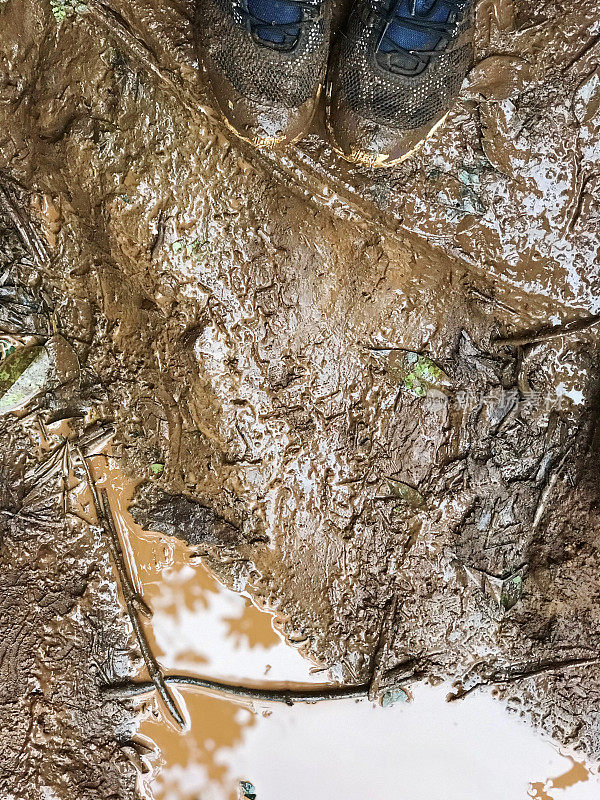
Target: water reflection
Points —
{"points": [[578, 773], [197, 765], [425, 750]]}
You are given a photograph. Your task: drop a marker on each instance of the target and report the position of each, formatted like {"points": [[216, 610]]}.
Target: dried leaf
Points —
{"points": [[505, 592], [20, 312], [512, 590]]}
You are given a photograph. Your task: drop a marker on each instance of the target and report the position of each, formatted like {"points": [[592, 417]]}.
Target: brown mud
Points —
{"points": [[248, 325]]}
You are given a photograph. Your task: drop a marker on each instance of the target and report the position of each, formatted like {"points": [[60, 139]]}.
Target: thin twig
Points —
{"points": [[64, 478], [543, 501], [160, 235], [60, 458], [28, 234], [309, 694], [99, 506], [129, 592], [383, 643], [544, 668], [588, 47], [104, 15], [136, 604], [547, 334]]}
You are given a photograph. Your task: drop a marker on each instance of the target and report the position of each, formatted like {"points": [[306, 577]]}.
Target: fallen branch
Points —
{"points": [[127, 587], [135, 604], [547, 334], [506, 677], [310, 694]]}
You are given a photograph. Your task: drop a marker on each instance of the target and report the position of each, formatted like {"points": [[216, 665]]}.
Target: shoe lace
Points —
{"points": [[412, 61], [274, 34]]}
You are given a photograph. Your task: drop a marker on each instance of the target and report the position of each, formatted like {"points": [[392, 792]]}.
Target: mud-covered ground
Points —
{"points": [[306, 368]]}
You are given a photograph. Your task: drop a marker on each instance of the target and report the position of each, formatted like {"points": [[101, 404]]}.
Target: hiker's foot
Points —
{"points": [[395, 75], [265, 62]]}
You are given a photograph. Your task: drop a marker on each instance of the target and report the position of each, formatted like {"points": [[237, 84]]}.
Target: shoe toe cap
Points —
{"points": [[363, 141], [260, 124]]}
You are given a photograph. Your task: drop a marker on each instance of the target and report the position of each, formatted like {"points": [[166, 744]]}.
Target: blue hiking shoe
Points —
{"points": [[265, 63], [396, 73]]}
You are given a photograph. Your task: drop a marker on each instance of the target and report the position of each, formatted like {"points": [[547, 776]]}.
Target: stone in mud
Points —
{"points": [[393, 696], [247, 790], [177, 515], [65, 364]]}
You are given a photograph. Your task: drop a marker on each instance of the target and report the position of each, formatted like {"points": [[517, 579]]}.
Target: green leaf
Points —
{"points": [[23, 375], [157, 468], [61, 9], [406, 492], [416, 373], [512, 590], [6, 348]]}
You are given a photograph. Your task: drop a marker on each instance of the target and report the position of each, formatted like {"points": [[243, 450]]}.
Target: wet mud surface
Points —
{"points": [[367, 399]]}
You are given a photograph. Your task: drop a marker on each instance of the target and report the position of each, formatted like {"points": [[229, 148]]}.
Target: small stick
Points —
{"points": [[64, 478], [309, 694], [104, 15], [547, 334], [129, 592], [135, 604], [383, 644], [92, 484], [133, 601], [27, 233], [156, 677], [554, 666], [160, 236], [42, 426], [543, 501]]}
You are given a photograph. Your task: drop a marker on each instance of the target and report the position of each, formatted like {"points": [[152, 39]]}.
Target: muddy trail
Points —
{"points": [[368, 399]]}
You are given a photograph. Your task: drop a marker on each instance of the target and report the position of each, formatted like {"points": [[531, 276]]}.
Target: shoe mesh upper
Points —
{"points": [[403, 102], [284, 79]]}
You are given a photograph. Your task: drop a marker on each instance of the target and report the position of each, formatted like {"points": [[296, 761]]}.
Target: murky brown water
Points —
{"points": [[346, 749]]}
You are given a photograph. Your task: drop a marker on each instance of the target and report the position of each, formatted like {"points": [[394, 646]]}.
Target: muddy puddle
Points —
{"points": [[414, 746]]}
